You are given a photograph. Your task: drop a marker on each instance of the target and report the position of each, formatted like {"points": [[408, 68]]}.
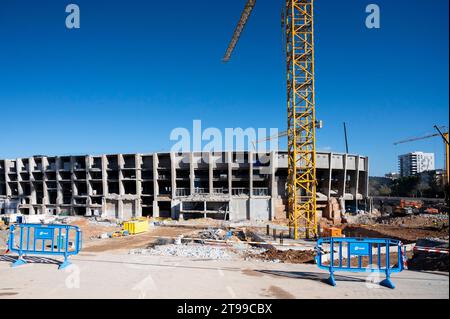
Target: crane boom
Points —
{"points": [[240, 27], [416, 139]]}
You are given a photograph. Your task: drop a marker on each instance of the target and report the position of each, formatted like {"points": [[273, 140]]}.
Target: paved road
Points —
{"points": [[126, 276]]}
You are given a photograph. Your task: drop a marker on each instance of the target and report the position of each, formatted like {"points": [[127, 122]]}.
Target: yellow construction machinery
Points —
{"points": [[298, 26]]}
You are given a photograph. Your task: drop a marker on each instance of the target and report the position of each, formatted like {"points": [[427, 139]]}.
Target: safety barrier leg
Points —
{"points": [[331, 280], [19, 262], [66, 263], [387, 282]]}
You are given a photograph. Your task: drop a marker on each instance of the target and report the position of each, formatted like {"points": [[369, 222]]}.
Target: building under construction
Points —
{"points": [[228, 185]]}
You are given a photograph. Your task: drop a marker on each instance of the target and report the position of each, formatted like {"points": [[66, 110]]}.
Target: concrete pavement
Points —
{"points": [[128, 276]]}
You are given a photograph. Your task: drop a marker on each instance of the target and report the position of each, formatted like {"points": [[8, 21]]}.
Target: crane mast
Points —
{"points": [[302, 181]]}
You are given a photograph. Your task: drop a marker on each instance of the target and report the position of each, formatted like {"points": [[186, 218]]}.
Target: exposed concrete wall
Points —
{"points": [[112, 185]]}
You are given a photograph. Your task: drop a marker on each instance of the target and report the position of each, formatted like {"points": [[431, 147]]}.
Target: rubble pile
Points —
{"points": [[190, 251], [362, 218]]}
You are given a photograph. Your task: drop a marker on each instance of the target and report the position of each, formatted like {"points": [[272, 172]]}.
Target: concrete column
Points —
{"points": [[19, 179], [121, 187], [273, 184], [192, 173], [155, 186], [173, 175], [211, 172], [8, 165], [330, 175], [367, 177], [358, 158], [344, 184], [59, 195], [250, 182], [72, 181], [251, 156], [229, 156], [120, 209], [138, 160]]}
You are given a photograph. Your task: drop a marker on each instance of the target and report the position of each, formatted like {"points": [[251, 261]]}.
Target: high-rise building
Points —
{"points": [[415, 163]]}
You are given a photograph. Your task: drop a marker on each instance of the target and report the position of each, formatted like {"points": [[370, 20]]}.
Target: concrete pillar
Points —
{"points": [[273, 184], [344, 184], [192, 173], [120, 209], [121, 163], [330, 175], [367, 178], [173, 175], [59, 195], [155, 186], [8, 166], [72, 182], [250, 182], [138, 160], [211, 172], [229, 158]]}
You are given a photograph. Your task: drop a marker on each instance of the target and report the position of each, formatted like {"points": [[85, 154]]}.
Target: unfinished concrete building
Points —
{"points": [[227, 185]]}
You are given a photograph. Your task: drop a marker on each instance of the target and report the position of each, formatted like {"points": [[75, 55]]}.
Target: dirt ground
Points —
{"points": [[92, 230], [288, 256], [131, 242], [404, 233]]}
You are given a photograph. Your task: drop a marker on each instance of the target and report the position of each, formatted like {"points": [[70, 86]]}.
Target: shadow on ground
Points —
{"points": [[30, 260], [320, 277]]}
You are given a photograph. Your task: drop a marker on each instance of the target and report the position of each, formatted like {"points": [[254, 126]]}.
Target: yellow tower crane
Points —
{"points": [[298, 24]]}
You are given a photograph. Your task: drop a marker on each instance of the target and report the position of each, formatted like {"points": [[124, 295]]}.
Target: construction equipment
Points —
{"points": [[444, 137], [136, 226], [332, 232], [298, 25], [408, 207]]}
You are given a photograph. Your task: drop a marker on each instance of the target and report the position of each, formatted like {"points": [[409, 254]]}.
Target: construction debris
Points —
{"points": [[189, 251], [215, 234]]}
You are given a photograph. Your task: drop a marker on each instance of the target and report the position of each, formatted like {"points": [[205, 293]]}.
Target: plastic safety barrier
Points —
{"points": [[360, 255], [38, 239]]}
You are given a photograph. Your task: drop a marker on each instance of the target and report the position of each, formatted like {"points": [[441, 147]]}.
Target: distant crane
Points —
{"points": [[298, 26], [444, 137]]}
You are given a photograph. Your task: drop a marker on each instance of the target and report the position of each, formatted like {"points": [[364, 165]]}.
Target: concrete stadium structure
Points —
{"points": [[231, 185]]}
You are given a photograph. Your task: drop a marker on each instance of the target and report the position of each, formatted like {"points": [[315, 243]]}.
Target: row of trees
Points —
{"points": [[424, 185]]}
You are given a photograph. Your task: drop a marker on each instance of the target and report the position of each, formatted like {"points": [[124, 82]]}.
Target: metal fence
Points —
{"points": [[360, 255], [38, 239]]}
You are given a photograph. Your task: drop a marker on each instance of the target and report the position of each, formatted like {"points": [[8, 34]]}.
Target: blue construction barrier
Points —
{"points": [[38, 239], [348, 249]]}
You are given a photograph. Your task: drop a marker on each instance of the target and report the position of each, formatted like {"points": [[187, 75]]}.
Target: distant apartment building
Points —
{"points": [[416, 163]]}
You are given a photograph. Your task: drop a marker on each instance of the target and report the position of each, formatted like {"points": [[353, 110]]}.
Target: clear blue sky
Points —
{"points": [[137, 69]]}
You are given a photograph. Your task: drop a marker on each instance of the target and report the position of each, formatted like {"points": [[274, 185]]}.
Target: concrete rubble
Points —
{"points": [[189, 250]]}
